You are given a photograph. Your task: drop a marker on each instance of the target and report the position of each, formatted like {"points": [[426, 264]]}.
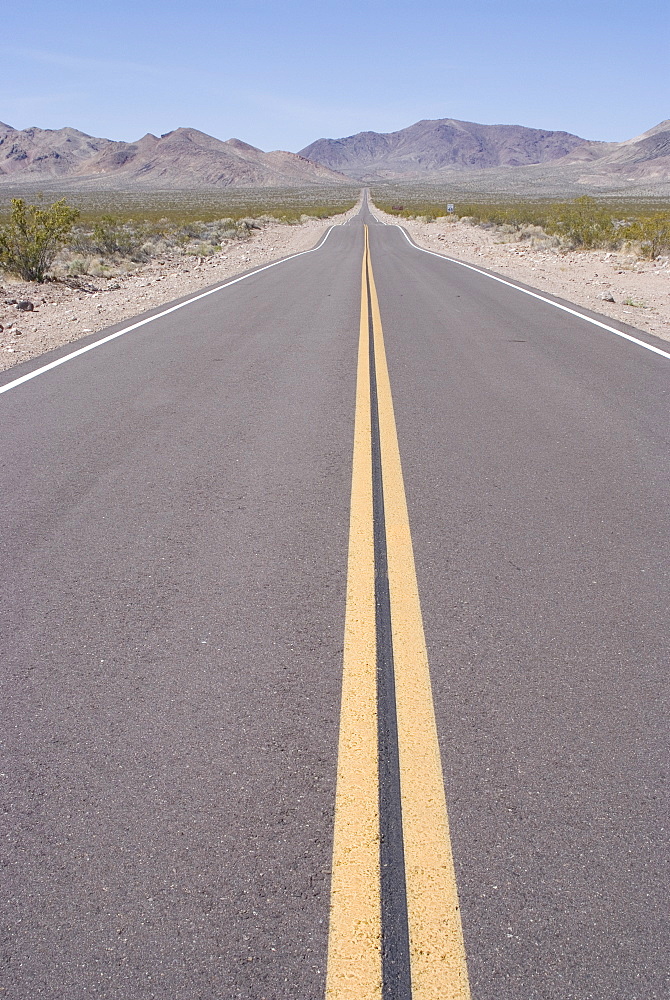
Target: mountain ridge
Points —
{"points": [[184, 157], [434, 147], [431, 150], [431, 145]]}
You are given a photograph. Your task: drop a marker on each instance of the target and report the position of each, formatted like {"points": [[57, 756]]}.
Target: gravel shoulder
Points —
{"points": [[640, 288], [64, 312]]}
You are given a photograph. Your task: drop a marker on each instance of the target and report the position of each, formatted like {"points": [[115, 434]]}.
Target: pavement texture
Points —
{"points": [[174, 569]]}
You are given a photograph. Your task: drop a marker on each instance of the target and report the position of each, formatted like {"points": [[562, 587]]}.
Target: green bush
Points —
{"points": [[584, 223], [33, 236], [653, 234]]}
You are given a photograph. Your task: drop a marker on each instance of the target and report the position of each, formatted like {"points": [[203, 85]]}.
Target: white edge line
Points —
{"points": [[542, 298], [150, 319]]}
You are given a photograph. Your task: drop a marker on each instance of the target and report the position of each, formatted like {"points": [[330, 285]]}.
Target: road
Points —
{"points": [[184, 543]]}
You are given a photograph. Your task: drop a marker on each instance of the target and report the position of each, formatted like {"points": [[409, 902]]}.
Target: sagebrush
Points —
{"points": [[31, 239]]}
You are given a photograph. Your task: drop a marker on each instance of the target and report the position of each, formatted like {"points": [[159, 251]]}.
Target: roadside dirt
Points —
{"points": [[640, 288], [62, 313]]}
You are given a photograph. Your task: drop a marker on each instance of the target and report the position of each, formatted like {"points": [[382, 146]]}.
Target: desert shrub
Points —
{"points": [[191, 230], [580, 223], [215, 233], [583, 223], [203, 250], [652, 233], [78, 266], [111, 236], [31, 239], [169, 210], [245, 228]]}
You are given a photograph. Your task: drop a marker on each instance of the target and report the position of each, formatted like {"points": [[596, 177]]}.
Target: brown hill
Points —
{"points": [[445, 144], [182, 159], [45, 152], [645, 156], [445, 149]]}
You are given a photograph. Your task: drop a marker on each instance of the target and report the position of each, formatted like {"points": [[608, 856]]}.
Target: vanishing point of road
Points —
{"points": [[335, 646]]}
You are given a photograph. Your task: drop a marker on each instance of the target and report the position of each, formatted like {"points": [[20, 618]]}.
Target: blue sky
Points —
{"points": [[281, 74]]}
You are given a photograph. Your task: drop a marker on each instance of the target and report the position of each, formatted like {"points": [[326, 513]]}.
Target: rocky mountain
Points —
{"points": [[46, 152], [431, 146], [501, 159], [182, 159]]}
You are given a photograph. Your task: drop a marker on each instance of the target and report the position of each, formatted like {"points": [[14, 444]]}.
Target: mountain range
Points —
{"points": [[184, 158], [429, 151]]}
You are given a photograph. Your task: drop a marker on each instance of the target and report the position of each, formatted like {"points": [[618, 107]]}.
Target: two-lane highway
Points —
{"points": [[184, 544]]}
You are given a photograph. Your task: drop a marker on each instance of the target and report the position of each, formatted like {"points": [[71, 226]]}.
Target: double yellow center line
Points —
{"points": [[395, 928]]}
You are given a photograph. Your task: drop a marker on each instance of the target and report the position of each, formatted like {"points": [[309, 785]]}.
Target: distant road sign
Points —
{"points": [[450, 208]]}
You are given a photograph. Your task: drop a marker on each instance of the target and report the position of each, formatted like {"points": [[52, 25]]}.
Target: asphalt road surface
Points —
{"points": [[176, 574]]}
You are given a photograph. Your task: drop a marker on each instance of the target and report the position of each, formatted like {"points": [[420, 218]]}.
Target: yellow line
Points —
{"points": [[439, 970], [354, 943], [438, 966]]}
